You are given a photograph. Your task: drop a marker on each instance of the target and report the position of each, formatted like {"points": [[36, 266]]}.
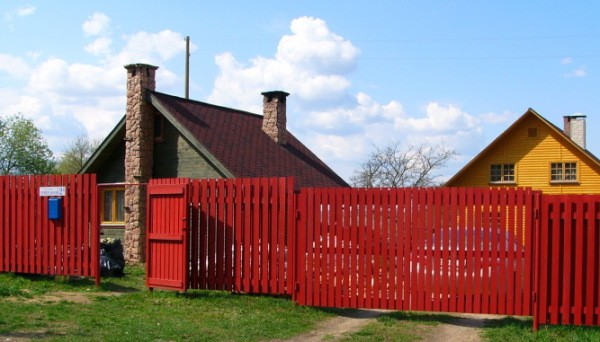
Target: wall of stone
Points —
{"points": [[139, 141]]}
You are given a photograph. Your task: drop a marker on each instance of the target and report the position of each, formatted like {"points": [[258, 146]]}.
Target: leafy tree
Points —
{"points": [[392, 166], [23, 150], [76, 154]]}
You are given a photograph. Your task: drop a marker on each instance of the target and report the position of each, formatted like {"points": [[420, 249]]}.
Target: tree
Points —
{"points": [[76, 154], [23, 150], [392, 166]]}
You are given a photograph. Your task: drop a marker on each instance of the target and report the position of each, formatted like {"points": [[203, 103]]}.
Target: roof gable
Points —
{"points": [[529, 114]]}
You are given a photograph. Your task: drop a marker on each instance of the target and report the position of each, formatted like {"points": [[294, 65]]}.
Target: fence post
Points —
{"points": [[538, 211]]}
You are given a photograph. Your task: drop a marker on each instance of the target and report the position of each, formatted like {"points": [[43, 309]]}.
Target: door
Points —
{"points": [[167, 237]]}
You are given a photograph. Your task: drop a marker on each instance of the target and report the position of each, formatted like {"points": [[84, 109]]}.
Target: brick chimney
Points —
{"points": [[274, 115], [139, 130], [574, 128]]}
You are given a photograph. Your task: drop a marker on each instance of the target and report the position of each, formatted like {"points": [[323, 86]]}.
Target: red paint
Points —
{"points": [[31, 243]]}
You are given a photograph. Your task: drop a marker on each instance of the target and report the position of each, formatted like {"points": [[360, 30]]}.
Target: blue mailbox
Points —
{"points": [[55, 208]]}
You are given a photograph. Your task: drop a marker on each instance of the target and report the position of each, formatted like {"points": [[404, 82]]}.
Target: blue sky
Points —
{"points": [[360, 73]]}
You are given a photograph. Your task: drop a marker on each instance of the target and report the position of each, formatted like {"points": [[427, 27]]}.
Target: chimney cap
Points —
{"points": [[575, 116], [140, 65], [275, 93]]}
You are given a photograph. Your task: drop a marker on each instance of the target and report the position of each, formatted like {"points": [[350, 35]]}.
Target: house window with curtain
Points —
{"points": [[113, 206], [502, 173], [563, 172]]}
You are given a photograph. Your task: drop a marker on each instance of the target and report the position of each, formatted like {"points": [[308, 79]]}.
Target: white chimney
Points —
{"points": [[575, 129]]}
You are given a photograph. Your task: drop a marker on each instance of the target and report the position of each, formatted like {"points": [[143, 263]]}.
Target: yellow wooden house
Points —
{"points": [[534, 153]]}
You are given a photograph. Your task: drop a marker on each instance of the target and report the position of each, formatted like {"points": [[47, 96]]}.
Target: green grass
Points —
{"points": [[140, 315], [517, 329]]}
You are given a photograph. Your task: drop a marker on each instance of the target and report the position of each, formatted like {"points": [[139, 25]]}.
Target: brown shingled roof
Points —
{"points": [[236, 139]]}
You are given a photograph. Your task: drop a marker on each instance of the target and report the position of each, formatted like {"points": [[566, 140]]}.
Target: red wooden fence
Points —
{"points": [[568, 261], [495, 251], [444, 250], [239, 234], [32, 243]]}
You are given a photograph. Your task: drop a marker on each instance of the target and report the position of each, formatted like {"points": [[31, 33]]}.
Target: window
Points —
{"points": [[502, 173], [532, 132], [563, 172], [113, 206]]}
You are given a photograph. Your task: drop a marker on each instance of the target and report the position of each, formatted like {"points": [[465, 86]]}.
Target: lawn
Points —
{"points": [[122, 309]]}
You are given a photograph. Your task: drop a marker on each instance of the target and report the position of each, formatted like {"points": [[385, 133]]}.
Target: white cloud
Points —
{"points": [[152, 48], [23, 11], [96, 25], [26, 10], [566, 61], [580, 72], [100, 46], [14, 66], [311, 64], [439, 118], [313, 47]]}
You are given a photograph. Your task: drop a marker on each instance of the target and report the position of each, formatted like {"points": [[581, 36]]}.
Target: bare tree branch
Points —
{"points": [[392, 166]]}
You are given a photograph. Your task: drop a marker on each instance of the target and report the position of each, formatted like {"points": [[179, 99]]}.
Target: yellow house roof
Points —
{"points": [[592, 159]]}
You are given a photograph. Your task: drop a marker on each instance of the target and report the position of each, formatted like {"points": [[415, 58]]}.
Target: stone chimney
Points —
{"points": [[574, 128], [139, 143], [274, 115]]}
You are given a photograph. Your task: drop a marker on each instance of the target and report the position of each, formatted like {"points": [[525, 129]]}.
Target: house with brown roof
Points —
{"points": [[163, 136], [535, 153]]}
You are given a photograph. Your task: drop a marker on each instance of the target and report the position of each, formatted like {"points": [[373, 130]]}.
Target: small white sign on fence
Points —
{"points": [[47, 191]]}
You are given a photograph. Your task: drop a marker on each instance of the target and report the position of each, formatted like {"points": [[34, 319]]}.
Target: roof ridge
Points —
{"points": [[178, 98]]}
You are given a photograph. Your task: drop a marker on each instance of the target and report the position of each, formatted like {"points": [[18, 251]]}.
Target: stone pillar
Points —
{"points": [[139, 143], [274, 115]]}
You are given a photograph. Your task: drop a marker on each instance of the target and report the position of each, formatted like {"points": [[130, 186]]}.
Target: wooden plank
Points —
{"points": [[3, 221], [247, 235], [592, 284], [577, 292], [311, 228], [347, 253], [338, 217], [555, 273], [262, 231], [273, 235], [287, 235], [229, 247], [300, 266], [463, 263], [368, 228], [393, 261], [568, 230]]}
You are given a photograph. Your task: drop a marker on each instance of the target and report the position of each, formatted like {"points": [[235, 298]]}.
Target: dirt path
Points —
{"points": [[333, 329], [463, 328]]}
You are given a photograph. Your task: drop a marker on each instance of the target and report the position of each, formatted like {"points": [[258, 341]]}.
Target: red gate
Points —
{"points": [[167, 236], [444, 250]]}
